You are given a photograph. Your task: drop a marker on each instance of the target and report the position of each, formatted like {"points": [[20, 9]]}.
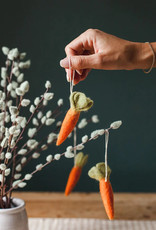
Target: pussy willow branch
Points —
{"points": [[38, 129], [39, 150], [47, 163], [20, 136], [55, 111], [19, 105], [31, 116], [9, 143], [5, 90], [1, 153], [3, 173], [57, 114], [10, 78], [8, 148], [36, 149], [14, 123], [12, 175], [6, 100], [18, 139], [7, 93]]}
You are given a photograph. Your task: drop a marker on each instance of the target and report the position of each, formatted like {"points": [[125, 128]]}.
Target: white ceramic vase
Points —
{"points": [[14, 218]]}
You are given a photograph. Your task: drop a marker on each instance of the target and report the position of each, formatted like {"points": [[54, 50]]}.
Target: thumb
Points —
{"points": [[81, 62]]}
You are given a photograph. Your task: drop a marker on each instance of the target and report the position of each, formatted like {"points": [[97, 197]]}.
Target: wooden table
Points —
{"points": [[128, 206]]}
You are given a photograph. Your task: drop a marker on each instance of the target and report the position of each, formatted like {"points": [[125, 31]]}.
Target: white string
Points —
{"points": [[106, 149], [71, 91], [75, 140], [71, 78]]}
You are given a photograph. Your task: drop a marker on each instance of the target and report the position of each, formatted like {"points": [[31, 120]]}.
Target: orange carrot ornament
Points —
{"points": [[78, 102], [75, 173], [98, 173]]}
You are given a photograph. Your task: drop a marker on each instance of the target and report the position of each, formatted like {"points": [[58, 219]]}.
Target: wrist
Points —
{"points": [[141, 55]]}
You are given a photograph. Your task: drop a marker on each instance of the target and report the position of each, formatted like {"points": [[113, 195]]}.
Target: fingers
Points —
{"points": [[82, 77], [77, 46], [77, 77], [80, 71], [69, 74], [81, 62], [80, 51], [82, 43], [85, 74]]}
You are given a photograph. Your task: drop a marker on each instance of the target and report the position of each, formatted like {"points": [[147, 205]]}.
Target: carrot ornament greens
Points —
{"points": [[75, 173], [98, 173], [78, 102]]}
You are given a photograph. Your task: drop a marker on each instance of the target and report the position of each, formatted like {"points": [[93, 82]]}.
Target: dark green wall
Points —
{"points": [[43, 28]]}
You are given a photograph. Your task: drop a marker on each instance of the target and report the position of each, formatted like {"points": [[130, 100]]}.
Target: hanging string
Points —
{"points": [[71, 90], [71, 77], [106, 149], [75, 140]]}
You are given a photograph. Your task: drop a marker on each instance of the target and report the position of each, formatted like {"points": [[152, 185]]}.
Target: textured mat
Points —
{"points": [[88, 224]]}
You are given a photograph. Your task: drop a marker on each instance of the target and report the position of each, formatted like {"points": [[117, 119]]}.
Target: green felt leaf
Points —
{"points": [[79, 102], [81, 159], [98, 172]]}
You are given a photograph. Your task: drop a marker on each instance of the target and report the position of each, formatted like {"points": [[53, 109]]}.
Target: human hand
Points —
{"points": [[95, 49]]}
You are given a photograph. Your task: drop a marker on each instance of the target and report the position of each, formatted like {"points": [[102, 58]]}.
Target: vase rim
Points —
{"points": [[20, 205]]}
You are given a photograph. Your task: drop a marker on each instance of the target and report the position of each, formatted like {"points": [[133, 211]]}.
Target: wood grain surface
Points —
{"points": [[128, 206]]}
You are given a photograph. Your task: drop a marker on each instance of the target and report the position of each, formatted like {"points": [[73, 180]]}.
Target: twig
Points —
{"points": [[18, 139], [47, 163]]}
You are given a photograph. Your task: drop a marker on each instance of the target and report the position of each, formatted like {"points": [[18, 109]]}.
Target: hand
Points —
{"points": [[95, 49]]}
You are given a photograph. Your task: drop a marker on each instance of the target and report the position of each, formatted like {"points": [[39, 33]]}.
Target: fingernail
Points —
{"points": [[79, 72], [64, 63]]}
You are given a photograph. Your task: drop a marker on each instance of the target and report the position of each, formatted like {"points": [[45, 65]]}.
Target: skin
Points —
{"points": [[95, 49]]}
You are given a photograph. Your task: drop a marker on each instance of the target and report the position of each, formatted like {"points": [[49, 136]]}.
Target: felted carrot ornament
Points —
{"points": [[78, 102], [98, 173], [75, 173]]}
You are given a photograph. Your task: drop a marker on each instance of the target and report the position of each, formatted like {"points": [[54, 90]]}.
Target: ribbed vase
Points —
{"points": [[14, 218]]}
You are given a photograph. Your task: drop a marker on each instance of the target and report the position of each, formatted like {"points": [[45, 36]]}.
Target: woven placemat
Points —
{"points": [[88, 224]]}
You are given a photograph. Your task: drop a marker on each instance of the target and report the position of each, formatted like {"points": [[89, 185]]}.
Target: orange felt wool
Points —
{"points": [[98, 173], [73, 178], [106, 192], [78, 102], [69, 122], [75, 173]]}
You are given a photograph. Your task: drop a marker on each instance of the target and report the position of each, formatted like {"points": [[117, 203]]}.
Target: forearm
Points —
{"points": [[95, 49], [140, 55]]}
